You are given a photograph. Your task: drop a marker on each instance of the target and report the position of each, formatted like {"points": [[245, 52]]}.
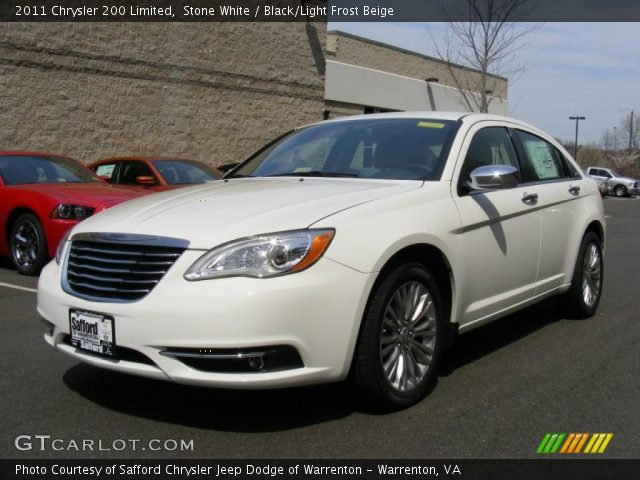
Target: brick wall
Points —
{"points": [[209, 91]]}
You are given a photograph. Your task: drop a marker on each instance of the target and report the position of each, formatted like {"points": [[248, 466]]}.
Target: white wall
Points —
{"points": [[366, 86]]}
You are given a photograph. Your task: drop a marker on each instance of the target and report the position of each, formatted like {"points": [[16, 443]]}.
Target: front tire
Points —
{"points": [[582, 299], [621, 191], [28, 245], [401, 338]]}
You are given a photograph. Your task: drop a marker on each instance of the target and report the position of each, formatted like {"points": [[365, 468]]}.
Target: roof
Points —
{"points": [[429, 115], [143, 158], [27, 153], [410, 52]]}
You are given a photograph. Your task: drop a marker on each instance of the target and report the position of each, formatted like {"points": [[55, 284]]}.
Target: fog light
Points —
{"points": [[256, 363]]}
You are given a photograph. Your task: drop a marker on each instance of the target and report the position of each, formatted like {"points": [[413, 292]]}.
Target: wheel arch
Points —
{"points": [[435, 260], [438, 264], [596, 227], [13, 216]]}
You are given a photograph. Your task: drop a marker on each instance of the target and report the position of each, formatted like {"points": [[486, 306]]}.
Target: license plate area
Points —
{"points": [[92, 332]]}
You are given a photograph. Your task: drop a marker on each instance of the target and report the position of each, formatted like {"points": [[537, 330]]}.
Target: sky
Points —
{"points": [[586, 69]]}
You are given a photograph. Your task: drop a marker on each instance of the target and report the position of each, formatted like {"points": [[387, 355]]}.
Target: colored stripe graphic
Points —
{"points": [[582, 441], [543, 443], [557, 444], [573, 443], [568, 442], [550, 443]]}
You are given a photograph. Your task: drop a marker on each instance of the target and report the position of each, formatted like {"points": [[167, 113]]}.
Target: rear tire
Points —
{"points": [[401, 338], [582, 299], [28, 245]]}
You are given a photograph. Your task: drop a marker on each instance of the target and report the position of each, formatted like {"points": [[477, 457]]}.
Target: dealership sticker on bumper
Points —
{"points": [[92, 332]]}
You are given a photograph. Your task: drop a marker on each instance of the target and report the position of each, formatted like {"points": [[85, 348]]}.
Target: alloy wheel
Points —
{"points": [[408, 336], [591, 275], [25, 245]]}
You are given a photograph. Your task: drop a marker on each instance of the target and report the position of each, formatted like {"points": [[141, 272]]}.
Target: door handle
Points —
{"points": [[574, 190], [530, 198]]}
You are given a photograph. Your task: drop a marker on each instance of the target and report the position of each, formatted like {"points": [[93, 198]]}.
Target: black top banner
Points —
{"points": [[316, 10]]}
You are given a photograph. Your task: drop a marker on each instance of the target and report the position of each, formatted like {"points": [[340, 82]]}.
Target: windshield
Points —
{"points": [[181, 172], [25, 169], [400, 148]]}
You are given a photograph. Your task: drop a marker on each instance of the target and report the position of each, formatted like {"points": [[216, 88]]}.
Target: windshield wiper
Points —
{"points": [[235, 175], [315, 173]]}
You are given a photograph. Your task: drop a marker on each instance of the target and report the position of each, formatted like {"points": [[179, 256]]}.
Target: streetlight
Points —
{"points": [[575, 149], [615, 138]]}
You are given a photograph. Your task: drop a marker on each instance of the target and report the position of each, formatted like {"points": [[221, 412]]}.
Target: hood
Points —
{"points": [[95, 195], [625, 179], [214, 213]]}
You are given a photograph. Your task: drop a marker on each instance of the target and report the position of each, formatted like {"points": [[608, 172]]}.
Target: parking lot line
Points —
{"points": [[18, 287]]}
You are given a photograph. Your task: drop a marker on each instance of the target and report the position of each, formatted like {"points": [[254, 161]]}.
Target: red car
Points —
{"points": [[42, 196], [154, 173]]}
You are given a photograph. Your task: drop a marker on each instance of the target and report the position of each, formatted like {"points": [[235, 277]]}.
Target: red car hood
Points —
{"points": [[95, 195]]}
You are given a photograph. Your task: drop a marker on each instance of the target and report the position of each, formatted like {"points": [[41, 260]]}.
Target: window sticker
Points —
{"points": [[105, 170], [542, 160], [430, 125]]}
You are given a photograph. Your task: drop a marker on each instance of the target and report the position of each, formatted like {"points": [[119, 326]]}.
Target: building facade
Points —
{"points": [[209, 91], [363, 73]]}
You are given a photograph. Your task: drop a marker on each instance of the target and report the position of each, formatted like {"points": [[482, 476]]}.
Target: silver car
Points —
{"points": [[616, 183]]}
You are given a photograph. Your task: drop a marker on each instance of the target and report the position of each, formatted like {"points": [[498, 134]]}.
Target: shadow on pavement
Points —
{"points": [[276, 410], [5, 262], [492, 337]]}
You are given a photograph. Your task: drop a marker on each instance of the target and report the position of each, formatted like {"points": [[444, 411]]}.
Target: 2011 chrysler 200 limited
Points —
{"points": [[350, 248]]}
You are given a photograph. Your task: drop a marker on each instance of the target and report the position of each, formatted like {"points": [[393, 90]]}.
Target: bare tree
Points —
{"points": [[489, 43], [629, 131], [609, 140]]}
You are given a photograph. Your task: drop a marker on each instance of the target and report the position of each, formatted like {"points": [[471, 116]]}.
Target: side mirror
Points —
{"points": [[145, 180], [105, 178], [494, 177]]}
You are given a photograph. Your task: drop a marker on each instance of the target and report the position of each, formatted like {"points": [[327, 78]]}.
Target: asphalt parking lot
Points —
{"points": [[500, 389]]}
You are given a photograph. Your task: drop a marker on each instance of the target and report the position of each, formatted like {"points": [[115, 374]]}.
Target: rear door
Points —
{"points": [[560, 189], [500, 235]]}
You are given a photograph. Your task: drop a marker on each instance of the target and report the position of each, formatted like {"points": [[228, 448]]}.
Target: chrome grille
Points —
{"points": [[116, 271]]}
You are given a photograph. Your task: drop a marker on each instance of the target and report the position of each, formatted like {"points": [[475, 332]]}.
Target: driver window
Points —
{"points": [[129, 171], [489, 146]]}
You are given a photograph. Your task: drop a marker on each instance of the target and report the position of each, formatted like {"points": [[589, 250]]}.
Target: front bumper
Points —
{"points": [[317, 312]]}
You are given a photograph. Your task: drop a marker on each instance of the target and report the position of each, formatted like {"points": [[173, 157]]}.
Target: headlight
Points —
{"points": [[71, 212], [61, 247], [263, 256]]}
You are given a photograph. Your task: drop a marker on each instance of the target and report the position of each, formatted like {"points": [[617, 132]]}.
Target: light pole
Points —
{"points": [[615, 139], [575, 148]]}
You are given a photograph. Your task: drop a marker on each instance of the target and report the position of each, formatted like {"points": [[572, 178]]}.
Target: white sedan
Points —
{"points": [[354, 248]]}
